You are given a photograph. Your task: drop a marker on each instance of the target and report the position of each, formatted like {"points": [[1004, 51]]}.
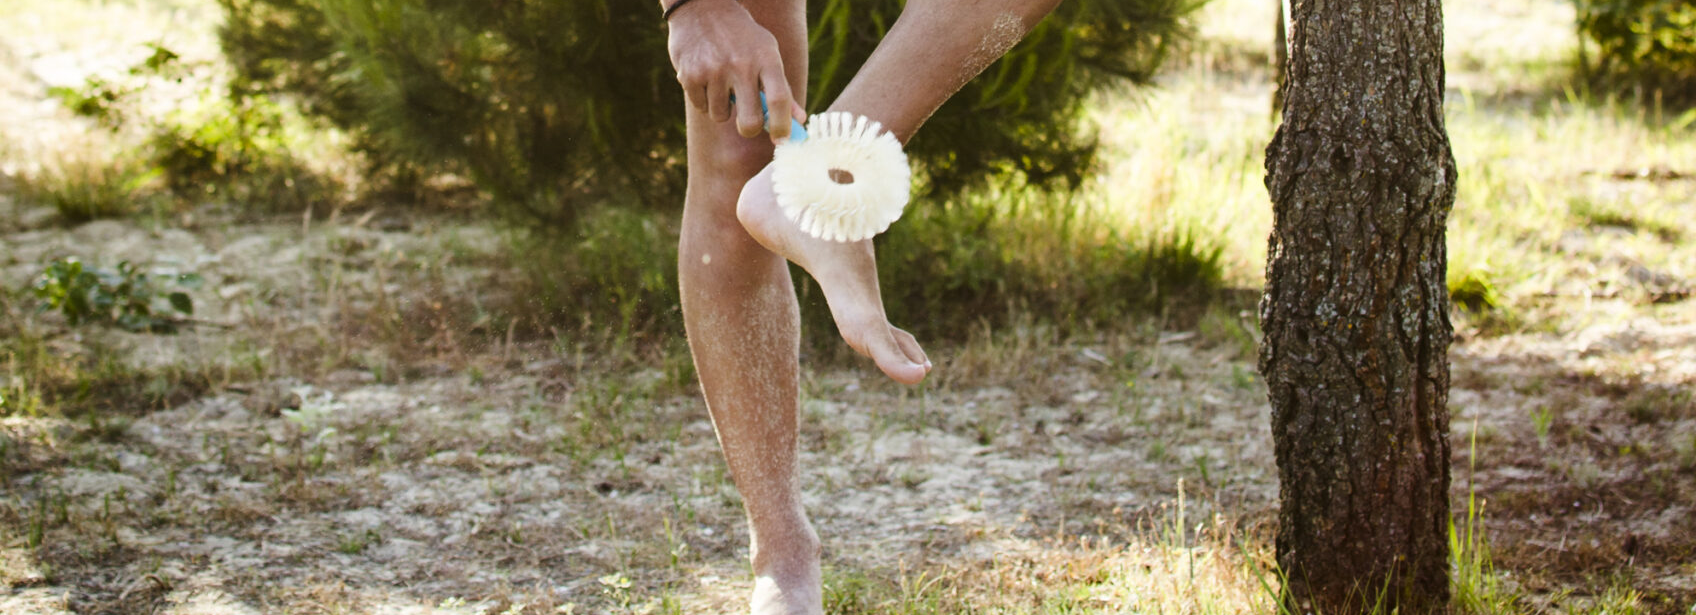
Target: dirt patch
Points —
{"points": [[510, 490], [1585, 455]]}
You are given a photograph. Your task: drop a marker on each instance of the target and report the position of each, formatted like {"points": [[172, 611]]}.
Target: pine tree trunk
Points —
{"points": [[1356, 309], [1280, 59]]}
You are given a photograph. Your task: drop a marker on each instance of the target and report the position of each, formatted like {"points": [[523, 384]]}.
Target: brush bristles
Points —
{"points": [[823, 208]]}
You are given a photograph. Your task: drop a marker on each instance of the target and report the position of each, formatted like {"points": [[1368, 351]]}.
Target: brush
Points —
{"points": [[845, 180]]}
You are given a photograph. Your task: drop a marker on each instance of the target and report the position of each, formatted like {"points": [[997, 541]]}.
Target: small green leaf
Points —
{"points": [[182, 303]]}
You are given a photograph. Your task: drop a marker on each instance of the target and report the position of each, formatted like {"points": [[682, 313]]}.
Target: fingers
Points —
{"points": [[718, 100], [694, 87], [749, 118], [697, 95], [730, 54], [778, 99]]}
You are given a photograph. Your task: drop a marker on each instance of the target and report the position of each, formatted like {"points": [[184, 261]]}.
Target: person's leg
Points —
{"points": [[743, 323], [934, 49]]}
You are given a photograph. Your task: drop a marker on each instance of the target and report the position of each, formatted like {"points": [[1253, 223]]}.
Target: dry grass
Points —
{"points": [[82, 186]]}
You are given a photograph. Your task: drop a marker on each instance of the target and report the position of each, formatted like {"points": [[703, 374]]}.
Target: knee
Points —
{"points": [[716, 232], [733, 159]]}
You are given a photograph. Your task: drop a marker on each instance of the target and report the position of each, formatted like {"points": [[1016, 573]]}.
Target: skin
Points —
{"points": [[739, 306]]}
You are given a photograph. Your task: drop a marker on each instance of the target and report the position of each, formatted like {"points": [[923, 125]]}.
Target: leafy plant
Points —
{"points": [[1474, 291], [124, 297], [1652, 40]]}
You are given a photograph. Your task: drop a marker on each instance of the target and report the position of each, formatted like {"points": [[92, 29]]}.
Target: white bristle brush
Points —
{"points": [[844, 180]]}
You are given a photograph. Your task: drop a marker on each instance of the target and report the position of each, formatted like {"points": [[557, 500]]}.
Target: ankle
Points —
{"points": [[776, 553]]}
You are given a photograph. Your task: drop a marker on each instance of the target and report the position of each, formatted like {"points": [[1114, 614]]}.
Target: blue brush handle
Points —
{"points": [[797, 133]]}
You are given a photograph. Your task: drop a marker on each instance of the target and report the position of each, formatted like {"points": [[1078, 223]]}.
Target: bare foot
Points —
{"points": [[848, 274]]}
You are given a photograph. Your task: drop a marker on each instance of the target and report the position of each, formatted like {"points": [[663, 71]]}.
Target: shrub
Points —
{"points": [[124, 297], [1648, 40], [567, 111], [617, 274], [204, 144], [553, 106]]}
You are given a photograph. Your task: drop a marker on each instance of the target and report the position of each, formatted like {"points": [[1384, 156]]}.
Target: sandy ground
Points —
{"points": [[397, 496], [529, 480]]}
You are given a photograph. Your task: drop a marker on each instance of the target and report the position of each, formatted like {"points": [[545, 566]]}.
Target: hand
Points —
{"points": [[718, 50]]}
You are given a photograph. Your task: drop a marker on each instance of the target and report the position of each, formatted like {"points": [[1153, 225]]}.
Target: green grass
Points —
{"points": [[1477, 587], [91, 375], [1532, 216], [1626, 215], [992, 257]]}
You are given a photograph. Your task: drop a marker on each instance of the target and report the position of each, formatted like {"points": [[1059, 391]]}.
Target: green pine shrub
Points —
{"points": [[549, 107], [554, 107], [566, 113], [1648, 42]]}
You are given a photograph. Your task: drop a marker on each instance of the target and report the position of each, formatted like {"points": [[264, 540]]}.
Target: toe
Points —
{"points": [[910, 347], [894, 361]]}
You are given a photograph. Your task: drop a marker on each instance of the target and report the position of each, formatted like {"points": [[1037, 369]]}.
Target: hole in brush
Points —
{"points": [[841, 176]]}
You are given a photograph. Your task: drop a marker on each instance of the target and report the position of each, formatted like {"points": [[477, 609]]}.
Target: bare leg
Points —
{"points": [[935, 47], [738, 304], [744, 329]]}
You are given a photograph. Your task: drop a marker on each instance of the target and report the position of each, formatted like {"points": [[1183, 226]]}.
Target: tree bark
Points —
{"points": [[1356, 309], [1280, 59]]}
